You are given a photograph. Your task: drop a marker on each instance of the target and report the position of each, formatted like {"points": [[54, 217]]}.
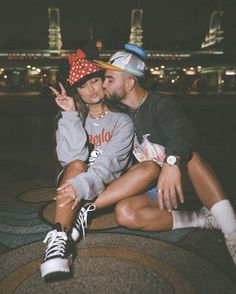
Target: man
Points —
{"points": [[173, 138]]}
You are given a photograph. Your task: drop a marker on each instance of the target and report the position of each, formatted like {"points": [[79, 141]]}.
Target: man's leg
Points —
{"points": [[137, 180], [142, 212], [211, 194], [205, 182]]}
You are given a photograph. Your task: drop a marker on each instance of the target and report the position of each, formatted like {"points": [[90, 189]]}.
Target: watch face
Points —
{"points": [[171, 160]]}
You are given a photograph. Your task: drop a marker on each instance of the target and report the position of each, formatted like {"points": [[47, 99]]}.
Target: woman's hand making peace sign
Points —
{"points": [[65, 102]]}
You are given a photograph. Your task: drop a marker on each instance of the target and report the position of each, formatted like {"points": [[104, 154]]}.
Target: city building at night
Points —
{"points": [[215, 36], [136, 34], [211, 69], [55, 42]]}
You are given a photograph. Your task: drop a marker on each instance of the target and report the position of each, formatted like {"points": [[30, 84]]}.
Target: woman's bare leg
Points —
{"points": [[205, 182], [136, 180], [65, 215]]}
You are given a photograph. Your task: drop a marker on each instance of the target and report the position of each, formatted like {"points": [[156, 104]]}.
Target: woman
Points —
{"points": [[85, 118]]}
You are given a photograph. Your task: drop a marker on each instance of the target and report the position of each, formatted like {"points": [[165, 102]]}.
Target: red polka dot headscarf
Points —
{"points": [[82, 69]]}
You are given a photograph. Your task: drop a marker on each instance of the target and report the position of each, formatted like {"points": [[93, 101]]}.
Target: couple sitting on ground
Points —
{"points": [[102, 123]]}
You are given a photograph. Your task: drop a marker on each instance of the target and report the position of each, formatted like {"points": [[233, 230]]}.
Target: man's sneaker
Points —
{"points": [[207, 220], [230, 241], [81, 222], [58, 254]]}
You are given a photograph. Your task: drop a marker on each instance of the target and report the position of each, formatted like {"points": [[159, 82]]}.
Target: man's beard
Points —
{"points": [[115, 104], [114, 97]]}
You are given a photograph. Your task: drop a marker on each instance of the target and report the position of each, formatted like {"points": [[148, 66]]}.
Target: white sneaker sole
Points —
{"points": [[54, 267], [75, 235]]}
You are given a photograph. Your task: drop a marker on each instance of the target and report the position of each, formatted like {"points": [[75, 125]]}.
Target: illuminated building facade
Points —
{"points": [[55, 42], [136, 34], [215, 36]]}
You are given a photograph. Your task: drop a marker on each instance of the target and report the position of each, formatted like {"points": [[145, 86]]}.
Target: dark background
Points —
{"points": [[167, 24]]}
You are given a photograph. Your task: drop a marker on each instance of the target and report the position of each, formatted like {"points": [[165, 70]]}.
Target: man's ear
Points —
{"points": [[130, 83]]}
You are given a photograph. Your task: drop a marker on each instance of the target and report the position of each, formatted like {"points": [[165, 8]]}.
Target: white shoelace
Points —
{"points": [[81, 221], [56, 242]]}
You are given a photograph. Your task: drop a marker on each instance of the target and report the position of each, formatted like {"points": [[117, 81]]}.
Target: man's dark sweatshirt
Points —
{"points": [[162, 117]]}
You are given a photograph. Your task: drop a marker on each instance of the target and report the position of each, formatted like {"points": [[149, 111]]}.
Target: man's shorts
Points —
{"points": [[154, 195]]}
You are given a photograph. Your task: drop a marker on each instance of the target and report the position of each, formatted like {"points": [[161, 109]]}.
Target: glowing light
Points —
{"points": [[155, 72], [230, 72], [190, 72]]}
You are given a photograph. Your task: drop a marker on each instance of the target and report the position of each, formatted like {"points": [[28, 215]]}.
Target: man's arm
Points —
{"points": [[181, 141]]}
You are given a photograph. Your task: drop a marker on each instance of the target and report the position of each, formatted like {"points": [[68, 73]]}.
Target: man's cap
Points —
{"points": [[130, 60], [82, 69]]}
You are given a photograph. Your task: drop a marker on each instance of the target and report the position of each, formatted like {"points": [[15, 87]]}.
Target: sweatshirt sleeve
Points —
{"points": [[181, 134], [109, 165], [71, 139]]}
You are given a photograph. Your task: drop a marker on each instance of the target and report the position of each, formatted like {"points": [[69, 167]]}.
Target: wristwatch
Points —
{"points": [[172, 160]]}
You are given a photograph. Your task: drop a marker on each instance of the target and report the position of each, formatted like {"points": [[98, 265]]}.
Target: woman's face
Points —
{"points": [[92, 91]]}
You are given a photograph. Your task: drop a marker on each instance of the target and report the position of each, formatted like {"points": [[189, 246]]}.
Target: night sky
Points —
{"points": [[167, 24]]}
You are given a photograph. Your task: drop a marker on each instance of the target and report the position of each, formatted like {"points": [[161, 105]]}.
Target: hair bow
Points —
{"points": [[79, 55]]}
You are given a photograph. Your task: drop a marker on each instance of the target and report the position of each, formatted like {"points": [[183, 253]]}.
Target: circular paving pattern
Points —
{"points": [[112, 263], [43, 194], [24, 225], [102, 221]]}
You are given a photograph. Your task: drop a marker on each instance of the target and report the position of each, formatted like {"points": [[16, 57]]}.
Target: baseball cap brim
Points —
{"points": [[107, 65]]}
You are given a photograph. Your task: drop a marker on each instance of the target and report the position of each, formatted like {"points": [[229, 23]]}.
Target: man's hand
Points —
{"points": [[67, 194], [65, 102], [168, 184]]}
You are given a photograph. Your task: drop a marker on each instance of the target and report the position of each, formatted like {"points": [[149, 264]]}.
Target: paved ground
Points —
{"points": [[28, 163]]}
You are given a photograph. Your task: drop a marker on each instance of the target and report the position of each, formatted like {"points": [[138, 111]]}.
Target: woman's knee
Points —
{"points": [[125, 214], [77, 165]]}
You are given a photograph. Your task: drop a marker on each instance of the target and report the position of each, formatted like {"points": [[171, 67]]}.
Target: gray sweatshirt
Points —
{"points": [[112, 137]]}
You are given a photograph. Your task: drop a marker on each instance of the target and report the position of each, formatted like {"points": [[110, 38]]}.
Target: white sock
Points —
{"points": [[185, 219], [225, 216]]}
